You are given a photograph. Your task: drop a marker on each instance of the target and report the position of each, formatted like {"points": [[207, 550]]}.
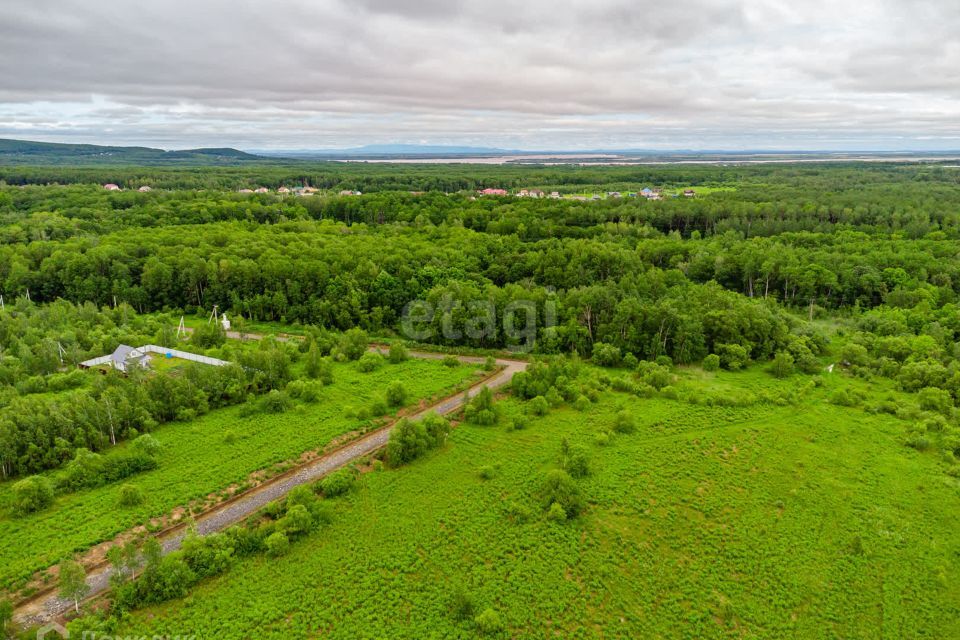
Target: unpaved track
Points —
{"points": [[48, 606]]}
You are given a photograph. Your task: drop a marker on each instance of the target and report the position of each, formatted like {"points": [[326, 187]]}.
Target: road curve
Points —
{"points": [[47, 606]]}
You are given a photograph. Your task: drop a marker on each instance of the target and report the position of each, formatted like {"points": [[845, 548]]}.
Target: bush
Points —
{"points": [[711, 362], [602, 438], [782, 365], [131, 496], [582, 403], [934, 399], [664, 361], [30, 495], [624, 423], [277, 544], [305, 390], [451, 361], [630, 361], [606, 355], [297, 521], [338, 483], [275, 402], [490, 363], [575, 460], [147, 445], [481, 409], [398, 353], [353, 344], [538, 406], [369, 362], [559, 488], [462, 605], [378, 408], [489, 622], [556, 513], [733, 356], [520, 422], [396, 394], [410, 440]]}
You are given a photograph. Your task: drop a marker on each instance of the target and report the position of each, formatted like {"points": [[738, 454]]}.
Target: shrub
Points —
{"points": [[733, 356], [353, 343], [558, 487], [582, 403], [485, 473], [378, 408], [398, 353], [481, 409], [554, 398], [31, 494], [489, 622], [934, 399], [606, 355], [711, 362], [305, 390], [396, 394], [490, 363], [131, 496], [338, 483], [575, 460], [277, 544], [410, 440], [275, 402], [462, 605], [630, 361], [297, 521], [664, 361], [624, 422], [451, 361], [556, 513], [538, 406], [602, 438], [520, 422], [369, 362], [147, 445], [782, 365], [516, 512]]}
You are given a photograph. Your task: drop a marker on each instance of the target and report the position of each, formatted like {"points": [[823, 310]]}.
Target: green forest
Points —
{"points": [[772, 355]]}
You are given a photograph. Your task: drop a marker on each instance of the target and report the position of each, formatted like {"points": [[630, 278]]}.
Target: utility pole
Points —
{"points": [[181, 329]]}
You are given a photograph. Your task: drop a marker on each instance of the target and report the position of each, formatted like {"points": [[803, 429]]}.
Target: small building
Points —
{"points": [[350, 192], [283, 190], [144, 189], [613, 194], [493, 192], [261, 190], [126, 357], [245, 191], [536, 193], [555, 195], [111, 187], [689, 193], [523, 193]]}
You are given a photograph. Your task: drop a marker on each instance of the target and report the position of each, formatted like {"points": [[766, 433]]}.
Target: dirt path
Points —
{"points": [[47, 606]]}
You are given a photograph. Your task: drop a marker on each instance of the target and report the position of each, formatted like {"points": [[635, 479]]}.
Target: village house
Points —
{"points": [[493, 192], [245, 191], [555, 195], [261, 190], [144, 189], [126, 357], [283, 190], [689, 193], [111, 187]]}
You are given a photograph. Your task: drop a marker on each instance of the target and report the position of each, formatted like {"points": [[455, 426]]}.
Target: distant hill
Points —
{"points": [[26, 152], [391, 150]]}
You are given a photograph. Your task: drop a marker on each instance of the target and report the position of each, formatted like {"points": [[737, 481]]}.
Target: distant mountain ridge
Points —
{"points": [[28, 152]]}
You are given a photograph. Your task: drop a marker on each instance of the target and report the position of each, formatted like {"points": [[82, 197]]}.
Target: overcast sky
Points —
{"points": [[527, 74]]}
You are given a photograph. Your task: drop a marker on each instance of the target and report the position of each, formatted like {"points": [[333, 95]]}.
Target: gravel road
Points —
{"points": [[46, 607]]}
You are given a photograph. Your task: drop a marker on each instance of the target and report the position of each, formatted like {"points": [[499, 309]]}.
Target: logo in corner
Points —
{"points": [[52, 630]]}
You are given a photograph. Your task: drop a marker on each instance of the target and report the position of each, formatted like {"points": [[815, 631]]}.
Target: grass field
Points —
{"points": [[197, 459], [761, 521]]}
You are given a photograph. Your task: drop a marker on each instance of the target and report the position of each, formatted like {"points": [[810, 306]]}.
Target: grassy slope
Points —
{"points": [[708, 522], [197, 461]]}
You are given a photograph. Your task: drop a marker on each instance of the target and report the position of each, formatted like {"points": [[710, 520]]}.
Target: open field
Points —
{"points": [[199, 458], [799, 521]]}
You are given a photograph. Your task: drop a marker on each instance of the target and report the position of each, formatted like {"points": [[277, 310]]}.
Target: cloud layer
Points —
{"points": [[706, 74]]}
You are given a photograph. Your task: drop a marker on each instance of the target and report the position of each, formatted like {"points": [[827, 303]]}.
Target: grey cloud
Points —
{"points": [[545, 73]]}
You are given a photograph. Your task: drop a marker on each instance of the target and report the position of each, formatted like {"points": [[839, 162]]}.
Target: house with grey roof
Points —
{"points": [[126, 356]]}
